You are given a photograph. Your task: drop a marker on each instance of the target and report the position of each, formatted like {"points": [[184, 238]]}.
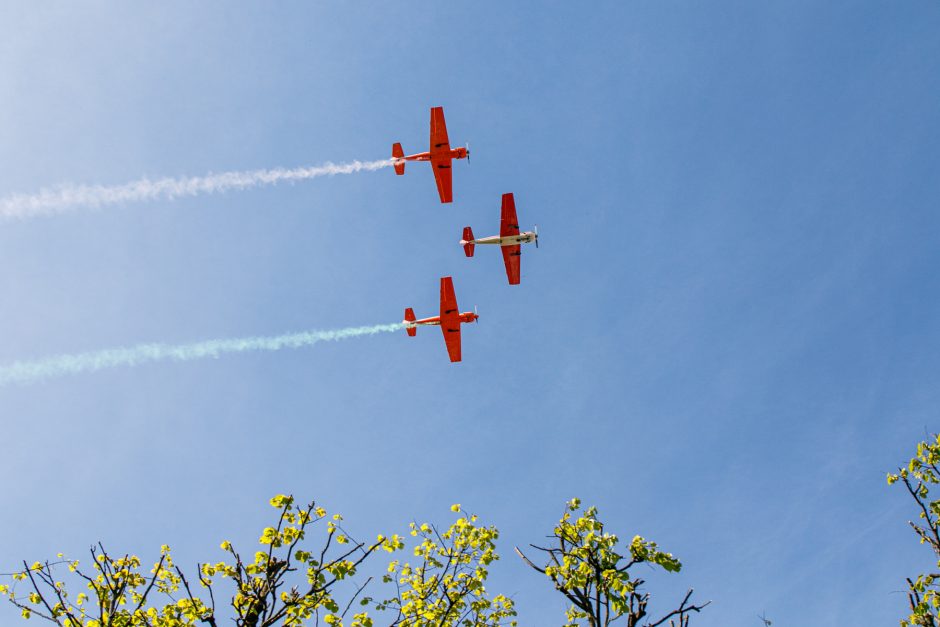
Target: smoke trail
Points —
{"points": [[24, 372], [65, 197]]}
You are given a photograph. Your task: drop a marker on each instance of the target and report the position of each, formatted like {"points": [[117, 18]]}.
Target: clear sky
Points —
{"points": [[728, 336]]}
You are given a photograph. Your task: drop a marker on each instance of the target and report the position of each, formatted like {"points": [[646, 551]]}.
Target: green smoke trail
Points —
{"points": [[24, 372]]}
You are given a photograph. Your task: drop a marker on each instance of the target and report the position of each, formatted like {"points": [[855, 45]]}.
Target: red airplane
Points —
{"points": [[440, 156], [449, 320], [509, 239]]}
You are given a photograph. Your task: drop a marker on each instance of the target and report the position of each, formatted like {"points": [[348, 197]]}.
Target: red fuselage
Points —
{"points": [[434, 155], [467, 316]]}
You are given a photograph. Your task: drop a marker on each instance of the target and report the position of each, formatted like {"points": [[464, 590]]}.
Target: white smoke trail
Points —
{"points": [[65, 197], [24, 372]]}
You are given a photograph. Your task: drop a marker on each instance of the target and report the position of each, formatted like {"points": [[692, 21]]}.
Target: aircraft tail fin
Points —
{"points": [[410, 317], [398, 154], [467, 241]]}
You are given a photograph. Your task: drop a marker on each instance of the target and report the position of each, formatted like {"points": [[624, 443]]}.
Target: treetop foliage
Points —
{"points": [[292, 580], [587, 567], [920, 477], [307, 569]]}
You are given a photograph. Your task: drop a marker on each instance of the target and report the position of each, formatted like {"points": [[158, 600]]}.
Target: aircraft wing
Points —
{"points": [[439, 141], [511, 257], [440, 155], [448, 298], [452, 339], [444, 178], [508, 222], [450, 318]]}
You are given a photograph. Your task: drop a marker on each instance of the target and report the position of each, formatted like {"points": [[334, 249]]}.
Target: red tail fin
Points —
{"points": [[410, 317], [398, 154], [468, 237]]}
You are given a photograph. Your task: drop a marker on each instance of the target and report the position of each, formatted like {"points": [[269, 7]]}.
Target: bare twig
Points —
{"points": [[353, 598]]}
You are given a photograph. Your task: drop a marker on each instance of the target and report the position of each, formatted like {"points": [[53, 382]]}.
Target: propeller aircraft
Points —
{"points": [[449, 320], [440, 155], [510, 240]]}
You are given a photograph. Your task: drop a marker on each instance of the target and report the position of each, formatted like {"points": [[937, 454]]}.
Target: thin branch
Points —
{"points": [[52, 616], [153, 580], [528, 561], [56, 563], [935, 540], [204, 619], [361, 588], [681, 611], [207, 585]]}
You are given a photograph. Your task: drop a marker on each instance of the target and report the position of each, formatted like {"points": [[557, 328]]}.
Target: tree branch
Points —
{"points": [[681, 611]]}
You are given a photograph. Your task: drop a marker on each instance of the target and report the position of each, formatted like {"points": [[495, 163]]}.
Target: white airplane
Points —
{"points": [[509, 239]]}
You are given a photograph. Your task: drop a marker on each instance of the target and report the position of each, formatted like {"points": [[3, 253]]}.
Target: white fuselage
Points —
{"points": [[523, 238]]}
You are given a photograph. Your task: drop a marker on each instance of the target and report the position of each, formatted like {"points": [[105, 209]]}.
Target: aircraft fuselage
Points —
{"points": [[453, 153], [467, 316], [523, 238]]}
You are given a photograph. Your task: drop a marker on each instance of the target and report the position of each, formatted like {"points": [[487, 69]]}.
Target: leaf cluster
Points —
{"points": [[444, 586], [587, 566], [116, 593], [920, 477]]}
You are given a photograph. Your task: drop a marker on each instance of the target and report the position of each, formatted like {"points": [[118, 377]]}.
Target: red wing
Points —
{"points": [[452, 338], [511, 255], [508, 222], [444, 178], [450, 318], [439, 141], [448, 298]]}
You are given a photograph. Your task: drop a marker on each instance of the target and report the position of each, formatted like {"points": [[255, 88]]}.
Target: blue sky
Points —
{"points": [[728, 336]]}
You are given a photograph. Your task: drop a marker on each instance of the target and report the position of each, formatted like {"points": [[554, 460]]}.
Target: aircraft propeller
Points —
{"points": [[477, 319], [468, 152], [536, 235]]}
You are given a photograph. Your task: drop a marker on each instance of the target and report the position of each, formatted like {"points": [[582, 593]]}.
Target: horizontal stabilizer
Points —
{"points": [[468, 238], [410, 317], [398, 154]]}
